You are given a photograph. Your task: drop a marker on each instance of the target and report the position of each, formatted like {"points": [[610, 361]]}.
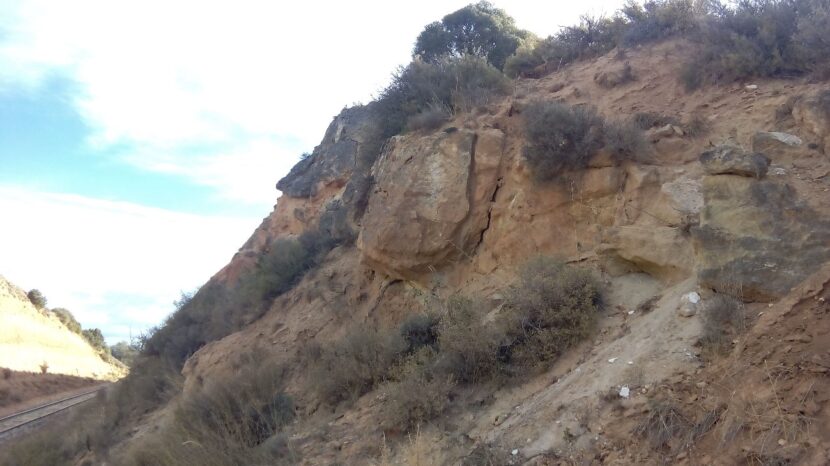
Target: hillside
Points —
{"points": [[30, 338], [652, 289]]}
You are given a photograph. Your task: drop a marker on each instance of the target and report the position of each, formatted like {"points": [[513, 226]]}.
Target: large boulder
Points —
{"points": [[659, 251], [731, 160], [757, 237], [432, 200]]}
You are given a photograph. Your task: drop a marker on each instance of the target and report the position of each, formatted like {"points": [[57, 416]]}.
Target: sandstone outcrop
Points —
{"points": [[731, 160], [432, 200], [756, 236]]}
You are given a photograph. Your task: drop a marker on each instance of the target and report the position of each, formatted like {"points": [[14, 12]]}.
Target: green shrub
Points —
{"points": [[552, 307], [457, 83], [524, 62], [95, 338], [354, 364], [37, 299], [67, 319], [124, 352], [478, 29]]}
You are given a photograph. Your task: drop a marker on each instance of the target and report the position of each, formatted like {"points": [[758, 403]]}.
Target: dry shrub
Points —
{"points": [[7, 373], [470, 348], [420, 330], [429, 119], [611, 79], [648, 120], [560, 138], [624, 140], [697, 126], [563, 139], [723, 316], [663, 423], [419, 392], [45, 448], [354, 364], [235, 421], [552, 307]]}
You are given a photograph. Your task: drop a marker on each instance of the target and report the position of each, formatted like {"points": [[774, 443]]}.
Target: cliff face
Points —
{"points": [[457, 210], [29, 338]]}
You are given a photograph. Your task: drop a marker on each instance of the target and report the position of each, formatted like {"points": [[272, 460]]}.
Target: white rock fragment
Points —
{"points": [[630, 362], [752, 87], [689, 304], [515, 452], [630, 312], [612, 360], [625, 392]]}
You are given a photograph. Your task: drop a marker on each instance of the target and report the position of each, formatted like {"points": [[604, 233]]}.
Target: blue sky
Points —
{"points": [[140, 141]]}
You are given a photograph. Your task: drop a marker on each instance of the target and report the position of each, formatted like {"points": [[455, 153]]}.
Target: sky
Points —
{"points": [[140, 142]]}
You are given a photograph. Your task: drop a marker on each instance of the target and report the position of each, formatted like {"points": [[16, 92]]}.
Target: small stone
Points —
{"points": [[782, 442], [701, 385], [515, 452], [624, 392], [612, 360], [752, 87]]}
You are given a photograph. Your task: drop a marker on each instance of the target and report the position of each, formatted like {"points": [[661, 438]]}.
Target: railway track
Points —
{"points": [[16, 423]]}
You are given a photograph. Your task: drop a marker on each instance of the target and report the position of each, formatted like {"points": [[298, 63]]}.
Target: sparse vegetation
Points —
{"points": [[562, 139], [95, 338], [67, 318], [457, 83], [663, 423], [551, 308], [470, 348], [217, 310], [355, 364], [723, 317], [124, 352], [419, 391], [648, 120], [429, 119], [44, 367], [37, 299]]}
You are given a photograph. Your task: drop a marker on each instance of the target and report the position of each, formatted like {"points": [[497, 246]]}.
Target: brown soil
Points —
{"points": [[22, 390]]}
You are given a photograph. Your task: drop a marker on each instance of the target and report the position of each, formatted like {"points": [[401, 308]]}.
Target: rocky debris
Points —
{"points": [[775, 144], [335, 157], [758, 236], [689, 304], [432, 200], [731, 160], [667, 131]]}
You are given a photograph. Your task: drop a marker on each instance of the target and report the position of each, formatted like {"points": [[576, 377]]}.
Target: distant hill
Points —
{"points": [[30, 338]]}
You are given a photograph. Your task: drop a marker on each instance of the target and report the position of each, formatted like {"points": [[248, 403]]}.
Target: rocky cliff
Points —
{"points": [[742, 209]]}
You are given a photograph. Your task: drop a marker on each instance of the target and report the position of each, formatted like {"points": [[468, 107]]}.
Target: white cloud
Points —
{"points": [[114, 264], [224, 94], [159, 77]]}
